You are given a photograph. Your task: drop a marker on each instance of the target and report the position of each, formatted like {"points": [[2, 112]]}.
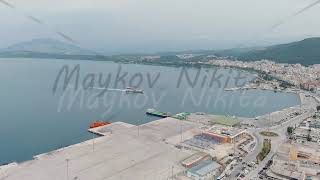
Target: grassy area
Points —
{"points": [[269, 134], [224, 120], [265, 150]]}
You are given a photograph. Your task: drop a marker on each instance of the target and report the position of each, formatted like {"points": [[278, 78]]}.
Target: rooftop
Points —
{"points": [[204, 168], [194, 158], [225, 131], [286, 169]]}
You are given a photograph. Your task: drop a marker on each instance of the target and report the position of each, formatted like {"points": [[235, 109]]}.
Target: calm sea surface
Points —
{"points": [[36, 118]]}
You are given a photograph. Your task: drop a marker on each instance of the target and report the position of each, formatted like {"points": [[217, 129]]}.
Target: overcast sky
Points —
{"points": [[123, 26]]}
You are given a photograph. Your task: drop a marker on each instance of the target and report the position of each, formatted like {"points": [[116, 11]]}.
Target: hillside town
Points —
{"points": [[306, 77]]}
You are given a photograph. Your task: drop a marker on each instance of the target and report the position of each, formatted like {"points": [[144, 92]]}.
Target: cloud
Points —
{"points": [[201, 37], [308, 7]]}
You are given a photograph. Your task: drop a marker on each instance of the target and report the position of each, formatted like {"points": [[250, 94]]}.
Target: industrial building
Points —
{"points": [[309, 130], [287, 170], [304, 153], [296, 161], [205, 170], [194, 160], [223, 134]]}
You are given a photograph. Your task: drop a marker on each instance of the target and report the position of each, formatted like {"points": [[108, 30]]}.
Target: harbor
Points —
{"points": [[72, 120], [173, 147], [160, 90], [168, 148], [122, 154]]}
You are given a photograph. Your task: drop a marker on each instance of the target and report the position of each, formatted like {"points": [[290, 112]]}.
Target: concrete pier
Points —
{"points": [[129, 152]]}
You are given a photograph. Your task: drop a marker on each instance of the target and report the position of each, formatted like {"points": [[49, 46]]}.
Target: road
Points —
{"points": [[276, 142], [251, 155]]}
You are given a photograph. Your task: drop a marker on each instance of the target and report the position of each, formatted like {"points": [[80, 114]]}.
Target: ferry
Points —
{"points": [[134, 90], [154, 112]]}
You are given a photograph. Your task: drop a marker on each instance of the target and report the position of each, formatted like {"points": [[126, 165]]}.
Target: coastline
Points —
{"points": [[89, 147], [144, 147], [150, 65]]}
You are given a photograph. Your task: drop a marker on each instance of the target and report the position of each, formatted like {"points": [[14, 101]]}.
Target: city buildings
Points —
{"points": [[308, 130], [296, 161], [307, 77]]}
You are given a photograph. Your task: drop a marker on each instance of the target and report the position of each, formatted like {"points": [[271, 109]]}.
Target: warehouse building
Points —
{"points": [[205, 170], [195, 159], [223, 134]]}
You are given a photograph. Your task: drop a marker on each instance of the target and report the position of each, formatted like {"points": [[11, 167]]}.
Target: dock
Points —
{"points": [[129, 152], [239, 88], [107, 129]]}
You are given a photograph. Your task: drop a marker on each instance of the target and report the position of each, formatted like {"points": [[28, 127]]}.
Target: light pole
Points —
{"points": [[93, 142], [172, 172], [67, 160], [234, 147], [180, 131], [139, 129], [93, 139], [269, 122]]}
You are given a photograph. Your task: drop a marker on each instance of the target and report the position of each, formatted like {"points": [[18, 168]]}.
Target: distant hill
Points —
{"points": [[305, 52], [43, 46]]}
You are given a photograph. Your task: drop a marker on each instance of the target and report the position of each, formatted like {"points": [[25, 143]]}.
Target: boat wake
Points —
{"points": [[109, 89], [128, 90]]}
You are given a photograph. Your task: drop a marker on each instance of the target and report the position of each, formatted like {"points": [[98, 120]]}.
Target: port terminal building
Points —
{"points": [[195, 159], [224, 134], [205, 170]]}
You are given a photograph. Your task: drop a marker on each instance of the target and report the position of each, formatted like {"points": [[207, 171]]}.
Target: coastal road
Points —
{"points": [[251, 156], [276, 142]]}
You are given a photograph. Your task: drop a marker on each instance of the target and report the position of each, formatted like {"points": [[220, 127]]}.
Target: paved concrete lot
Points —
{"points": [[127, 153]]}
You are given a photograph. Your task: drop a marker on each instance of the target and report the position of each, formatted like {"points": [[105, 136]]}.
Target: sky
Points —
{"points": [[144, 26]]}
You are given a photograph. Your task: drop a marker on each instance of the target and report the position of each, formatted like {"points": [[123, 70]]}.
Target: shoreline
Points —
{"points": [[101, 135], [148, 122], [84, 148], [134, 145]]}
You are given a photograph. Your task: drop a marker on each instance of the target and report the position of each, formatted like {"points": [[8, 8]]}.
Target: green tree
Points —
{"points": [[309, 138], [290, 130]]}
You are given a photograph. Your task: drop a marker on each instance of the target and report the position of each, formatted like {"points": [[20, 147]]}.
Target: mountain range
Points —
{"points": [[45, 46], [306, 52]]}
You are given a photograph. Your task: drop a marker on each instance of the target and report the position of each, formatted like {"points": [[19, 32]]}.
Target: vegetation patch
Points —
{"points": [[226, 120], [265, 150], [269, 134], [290, 130]]}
